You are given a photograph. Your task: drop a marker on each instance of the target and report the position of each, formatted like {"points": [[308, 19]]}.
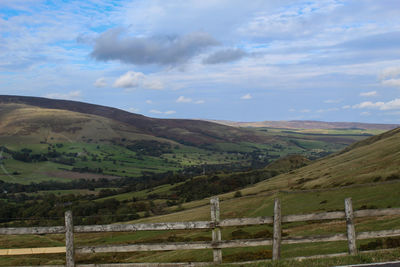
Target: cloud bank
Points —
{"points": [[161, 50]]}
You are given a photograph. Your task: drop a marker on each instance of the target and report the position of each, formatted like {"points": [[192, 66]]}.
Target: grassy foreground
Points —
{"points": [[393, 255], [368, 196]]}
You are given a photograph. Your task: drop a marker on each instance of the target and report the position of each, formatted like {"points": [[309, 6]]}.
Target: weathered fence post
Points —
{"points": [[69, 240], [276, 245], [216, 232], [351, 232]]}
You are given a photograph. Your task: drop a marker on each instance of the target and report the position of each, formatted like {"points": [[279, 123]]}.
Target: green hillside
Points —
{"points": [[375, 159], [56, 140], [378, 155]]}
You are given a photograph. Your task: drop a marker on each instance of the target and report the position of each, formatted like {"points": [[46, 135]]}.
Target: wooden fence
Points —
{"points": [[215, 224]]}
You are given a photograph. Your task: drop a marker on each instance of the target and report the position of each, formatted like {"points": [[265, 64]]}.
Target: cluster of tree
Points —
{"points": [[150, 148], [27, 155], [48, 209], [16, 203], [201, 187], [221, 178], [87, 169]]}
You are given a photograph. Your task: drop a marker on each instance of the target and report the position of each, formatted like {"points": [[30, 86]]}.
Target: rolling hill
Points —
{"points": [[185, 131], [45, 139], [304, 124], [375, 159]]}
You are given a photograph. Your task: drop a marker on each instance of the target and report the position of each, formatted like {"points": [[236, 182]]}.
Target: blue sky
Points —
{"points": [[234, 60]]}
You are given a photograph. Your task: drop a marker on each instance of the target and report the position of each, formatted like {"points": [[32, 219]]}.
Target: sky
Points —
{"points": [[239, 60]]}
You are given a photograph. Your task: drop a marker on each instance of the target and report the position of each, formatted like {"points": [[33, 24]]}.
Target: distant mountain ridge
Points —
{"points": [[307, 124], [195, 132]]}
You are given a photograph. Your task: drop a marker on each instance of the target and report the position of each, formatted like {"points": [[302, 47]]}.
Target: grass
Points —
{"points": [[377, 195], [14, 171], [114, 160], [262, 205], [392, 255], [364, 164], [336, 261], [160, 190]]}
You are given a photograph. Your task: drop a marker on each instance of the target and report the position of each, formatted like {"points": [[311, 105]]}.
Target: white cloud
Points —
{"points": [[390, 105], [246, 97], [390, 73], [391, 82], [130, 79], [394, 104], [100, 82], [168, 112], [305, 111], [365, 113], [133, 79], [292, 110], [295, 20], [369, 104], [183, 99], [368, 94], [149, 102], [73, 95], [346, 107], [391, 76]]}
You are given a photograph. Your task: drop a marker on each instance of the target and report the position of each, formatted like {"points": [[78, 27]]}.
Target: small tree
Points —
{"points": [[237, 194]]}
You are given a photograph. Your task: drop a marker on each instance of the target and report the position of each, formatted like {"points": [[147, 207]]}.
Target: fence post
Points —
{"points": [[69, 240], [276, 245], [351, 232], [216, 232]]}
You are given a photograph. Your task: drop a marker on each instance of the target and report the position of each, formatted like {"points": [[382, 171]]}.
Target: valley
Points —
{"points": [[41, 141], [110, 169]]}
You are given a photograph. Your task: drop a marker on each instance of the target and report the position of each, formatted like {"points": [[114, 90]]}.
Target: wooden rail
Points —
{"points": [[217, 244]]}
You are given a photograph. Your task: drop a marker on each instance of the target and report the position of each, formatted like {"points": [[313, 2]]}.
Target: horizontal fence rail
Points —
{"points": [[214, 224], [32, 230], [144, 227]]}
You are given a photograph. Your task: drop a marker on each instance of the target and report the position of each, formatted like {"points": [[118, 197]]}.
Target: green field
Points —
{"points": [[102, 145], [116, 160]]}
